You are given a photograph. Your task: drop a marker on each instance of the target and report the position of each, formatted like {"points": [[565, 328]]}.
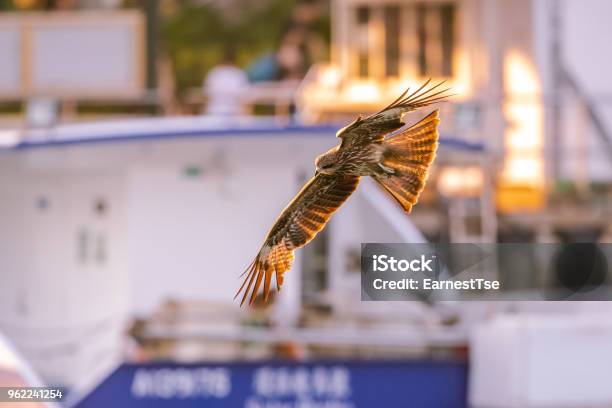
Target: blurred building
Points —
{"points": [[519, 90]]}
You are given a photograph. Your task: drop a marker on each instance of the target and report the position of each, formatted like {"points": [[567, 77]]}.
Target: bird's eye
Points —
{"points": [[327, 166]]}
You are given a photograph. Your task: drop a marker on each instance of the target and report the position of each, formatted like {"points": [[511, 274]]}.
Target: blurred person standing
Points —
{"points": [[301, 44], [225, 86]]}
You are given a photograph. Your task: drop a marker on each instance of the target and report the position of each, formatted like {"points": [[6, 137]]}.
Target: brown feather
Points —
{"points": [[374, 128], [297, 225], [409, 154]]}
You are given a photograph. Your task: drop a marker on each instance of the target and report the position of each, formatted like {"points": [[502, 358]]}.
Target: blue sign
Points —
{"points": [[284, 385]]}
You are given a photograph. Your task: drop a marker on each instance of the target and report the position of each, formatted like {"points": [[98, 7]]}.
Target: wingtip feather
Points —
{"points": [[248, 288], [267, 282], [256, 287]]}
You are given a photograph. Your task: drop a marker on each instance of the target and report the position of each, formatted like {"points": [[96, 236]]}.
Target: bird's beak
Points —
{"points": [[317, 172]]}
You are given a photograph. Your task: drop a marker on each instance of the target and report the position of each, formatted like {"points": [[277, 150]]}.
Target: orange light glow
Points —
{"points": [[523, 138], [24, 4], [363, 91], [523, 166], [461, 181], [330, 76]]}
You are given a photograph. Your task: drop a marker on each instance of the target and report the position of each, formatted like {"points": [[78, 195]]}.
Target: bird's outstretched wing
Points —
{"points": [[374, 128], [297, 225]]}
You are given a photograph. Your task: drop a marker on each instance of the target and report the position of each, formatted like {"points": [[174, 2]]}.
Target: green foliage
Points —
{"points": [[196, 34]]}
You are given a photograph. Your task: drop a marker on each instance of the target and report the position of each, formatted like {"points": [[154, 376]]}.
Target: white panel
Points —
{"points": [[93, 58], [191, 238], [542, 361], [10, 76], [586, 41], [65, 316]]}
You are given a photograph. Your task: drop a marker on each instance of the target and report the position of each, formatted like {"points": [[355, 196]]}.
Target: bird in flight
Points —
{"points": [[369, 146]]}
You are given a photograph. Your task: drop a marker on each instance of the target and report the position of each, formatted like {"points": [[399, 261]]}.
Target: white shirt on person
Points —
{"points": [[224, 88]]}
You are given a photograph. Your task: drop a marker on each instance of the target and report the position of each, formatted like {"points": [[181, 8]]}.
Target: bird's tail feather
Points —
{"points": [[406, 159]]}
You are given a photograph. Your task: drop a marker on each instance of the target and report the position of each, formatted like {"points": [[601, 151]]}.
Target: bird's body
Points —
{"points": [[374, 146], [362, 162]]}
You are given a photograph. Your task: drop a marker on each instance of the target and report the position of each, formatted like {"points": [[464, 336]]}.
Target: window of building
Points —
{"points": [[363, 46], [435, 34], [419, 34], [392, 40]]}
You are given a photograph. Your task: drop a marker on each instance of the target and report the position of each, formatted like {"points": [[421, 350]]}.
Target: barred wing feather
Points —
{"points": [[297, 225], [374, 128]]}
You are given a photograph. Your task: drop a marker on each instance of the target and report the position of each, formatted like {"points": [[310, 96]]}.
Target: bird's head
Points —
{"points": [[326, 163]]}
